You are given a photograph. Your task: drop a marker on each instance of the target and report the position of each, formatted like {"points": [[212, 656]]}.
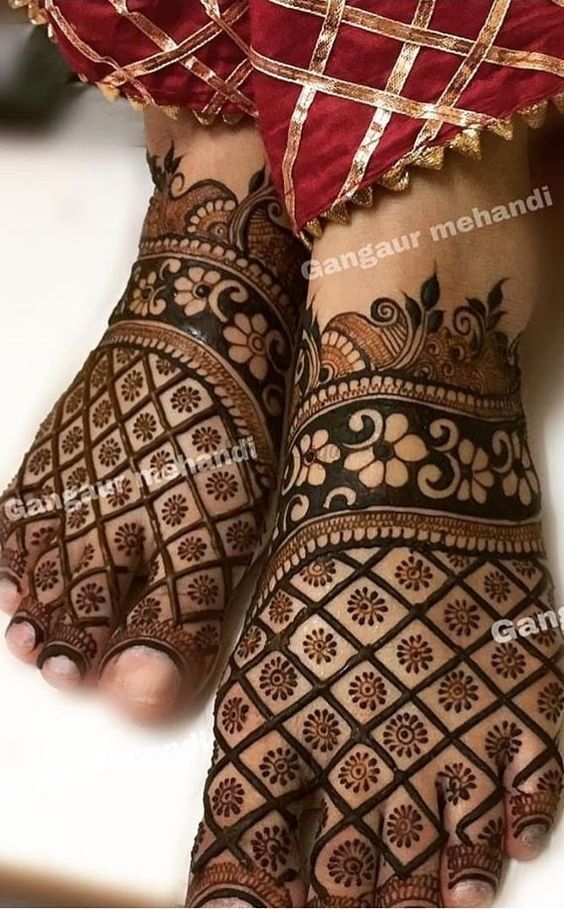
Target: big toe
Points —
{"points": [[142, 681]]}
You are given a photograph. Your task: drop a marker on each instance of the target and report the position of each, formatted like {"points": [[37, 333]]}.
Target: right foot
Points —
{"points": [[367, 682], [193, 366]]}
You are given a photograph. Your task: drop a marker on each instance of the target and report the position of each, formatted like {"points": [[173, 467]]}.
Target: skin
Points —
{"points": [[178, 415], [366, 683]]}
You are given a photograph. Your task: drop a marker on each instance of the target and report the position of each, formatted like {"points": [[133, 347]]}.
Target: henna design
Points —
{"points": [[408, 524], [175, 422]]}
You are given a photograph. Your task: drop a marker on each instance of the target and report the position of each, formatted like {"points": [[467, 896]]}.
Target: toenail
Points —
{"points": [[9, 595], [534, 837], [144, 675], [22, 636], [61, 671], [473, 895]]}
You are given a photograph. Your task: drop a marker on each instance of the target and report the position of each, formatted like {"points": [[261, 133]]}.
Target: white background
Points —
{"points": [[83, 796]]}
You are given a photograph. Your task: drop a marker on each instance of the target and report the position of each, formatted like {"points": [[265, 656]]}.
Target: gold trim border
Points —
{"points": [[468, 142]]}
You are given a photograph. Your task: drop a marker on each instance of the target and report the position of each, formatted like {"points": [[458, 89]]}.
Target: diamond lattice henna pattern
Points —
{"points": [[156, 468], [367, 681]]}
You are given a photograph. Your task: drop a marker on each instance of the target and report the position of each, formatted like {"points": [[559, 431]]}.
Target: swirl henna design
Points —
{"points": [[367, 681], [144, 496]]}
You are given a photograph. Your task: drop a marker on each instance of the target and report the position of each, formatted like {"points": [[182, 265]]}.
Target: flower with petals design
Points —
{"points": [[509, 661], [227, 798], [144, 300], [351, 863], [319, 572], [459, 782], [551, 702], [476, 476], [366, 607], [271, 847], [404, 735], [248, 343], [462, 617], [414, 574], [404, 826], [359, 772], [415, 654], [503, 742], [320, 646], [280, 766], [458, 691], [321, 730], [385, 461], [368, 691], [521, 479], [234, 715], [278, 679], [193, 291], [312, 453]]}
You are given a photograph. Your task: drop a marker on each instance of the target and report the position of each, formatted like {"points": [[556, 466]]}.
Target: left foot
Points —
{"points": [[368, 681]]}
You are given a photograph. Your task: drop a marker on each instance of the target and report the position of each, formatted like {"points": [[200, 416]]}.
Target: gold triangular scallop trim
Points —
{"points": [[467, 142]]}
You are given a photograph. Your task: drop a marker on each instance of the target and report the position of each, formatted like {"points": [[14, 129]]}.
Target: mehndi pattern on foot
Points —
{"points": [[144, 497], [367, 681]]}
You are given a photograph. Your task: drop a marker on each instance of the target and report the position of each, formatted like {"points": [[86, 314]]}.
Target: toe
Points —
{"points": [[169, 641], [531, 808], [61, 672], [142, 681], [474, 824], [10, 596], [22, 640], [267, 874], [533, 779], [411, 838]]}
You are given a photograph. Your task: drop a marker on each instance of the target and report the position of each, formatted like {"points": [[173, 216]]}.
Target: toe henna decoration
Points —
{"points": [[145, 494], [228, 880], [407, 533], [423, 888], [480, 862]]}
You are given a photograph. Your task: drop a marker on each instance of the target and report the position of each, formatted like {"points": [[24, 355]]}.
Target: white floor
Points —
{"points": [[83, 796]]}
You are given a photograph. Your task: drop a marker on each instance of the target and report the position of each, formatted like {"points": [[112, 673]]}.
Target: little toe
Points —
{"points": [[142, 681], [10, 596], [23, 641]]}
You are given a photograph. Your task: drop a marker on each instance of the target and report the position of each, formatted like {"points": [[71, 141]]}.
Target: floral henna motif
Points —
{"points": [[157, 466], [408, 525]]}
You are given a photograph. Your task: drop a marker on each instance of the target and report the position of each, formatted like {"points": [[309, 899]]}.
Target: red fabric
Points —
{"points": [[258, 57]]}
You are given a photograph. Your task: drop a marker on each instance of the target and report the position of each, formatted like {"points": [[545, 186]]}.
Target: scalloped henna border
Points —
{"points": [[386, 524]]}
